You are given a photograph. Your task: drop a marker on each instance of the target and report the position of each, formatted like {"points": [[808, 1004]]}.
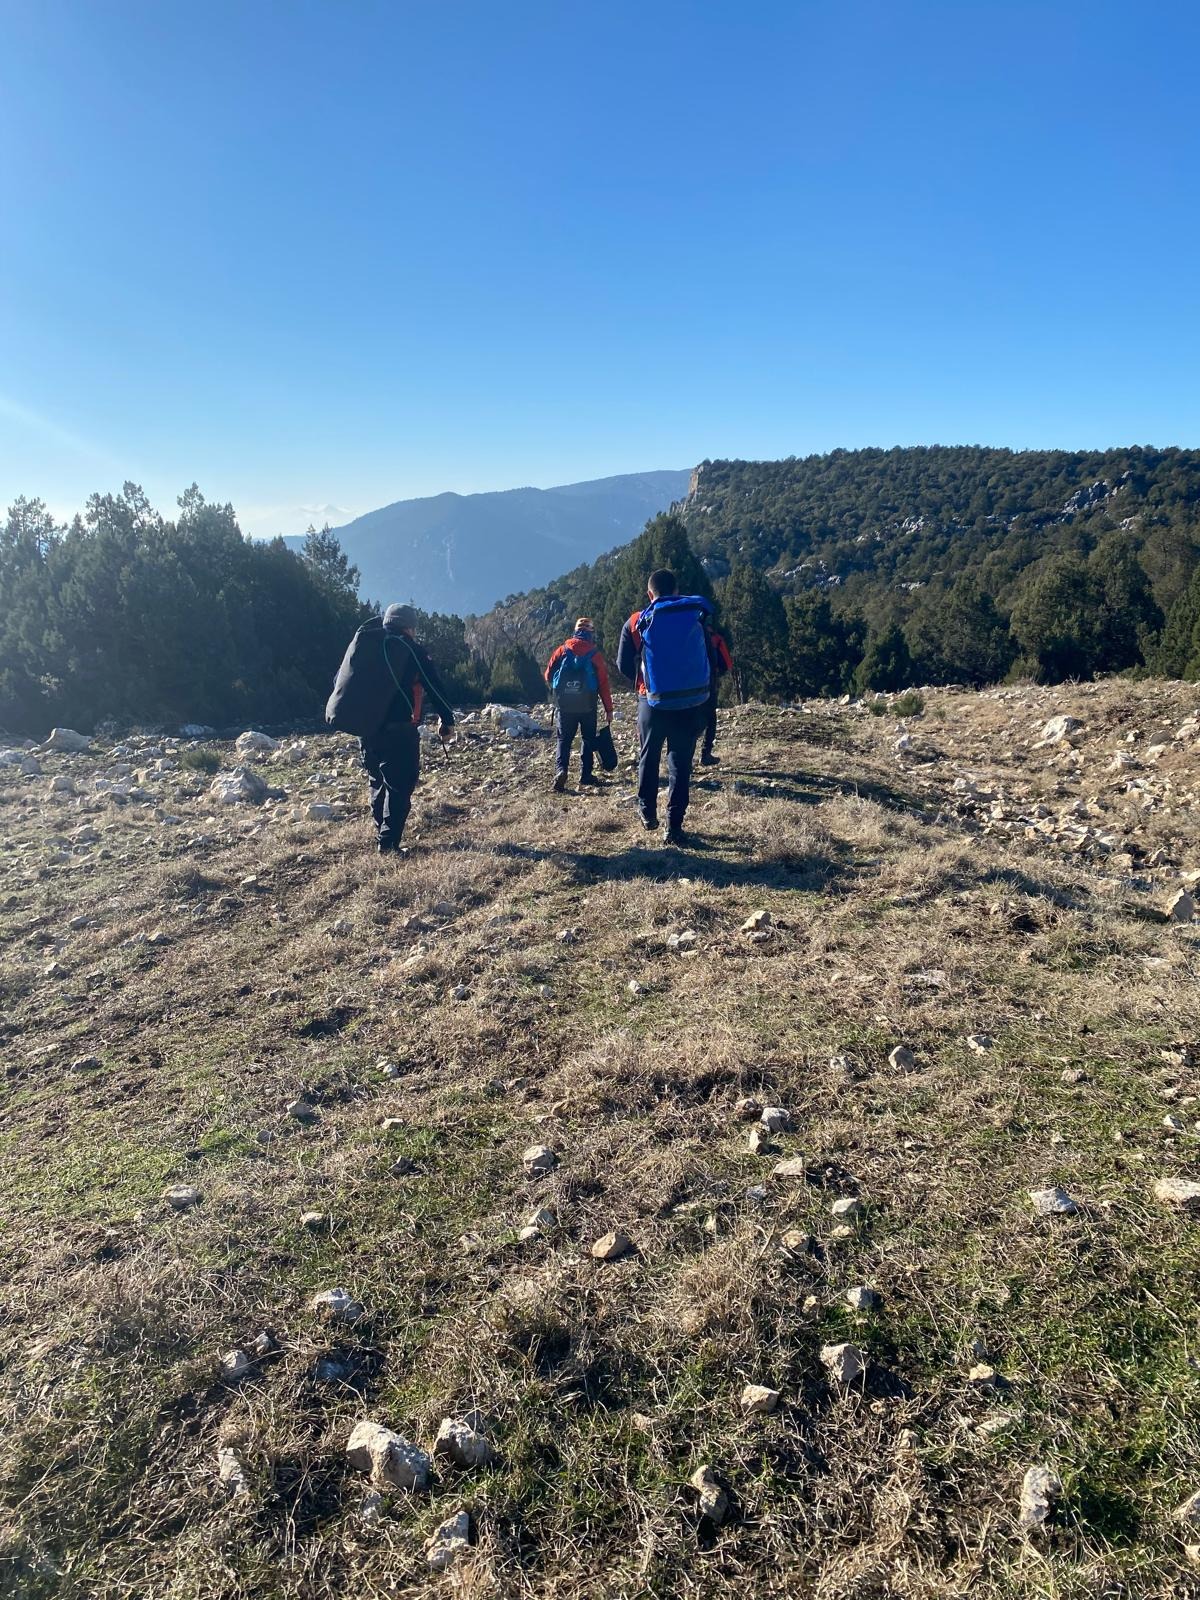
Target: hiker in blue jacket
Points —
{"points": [[577, 674], [665, 648]]}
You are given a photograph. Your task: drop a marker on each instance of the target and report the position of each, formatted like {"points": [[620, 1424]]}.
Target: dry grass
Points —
{"points": [[902, 911]]}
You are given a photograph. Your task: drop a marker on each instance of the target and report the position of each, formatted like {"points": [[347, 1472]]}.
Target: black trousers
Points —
{"points": [[393, 762], [566, 725], [678, 730], [710, 724]]}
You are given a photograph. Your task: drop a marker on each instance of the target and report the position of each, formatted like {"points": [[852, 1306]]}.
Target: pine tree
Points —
{"points": [[822, 649], [957, 635], [758, 628], [886, 665]]}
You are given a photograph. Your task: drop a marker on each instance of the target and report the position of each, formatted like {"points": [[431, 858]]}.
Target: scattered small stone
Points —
{"points": [[757, 1400], [681, 941], [391, 1460], [902, 1059], [848, 1210], [612, 1246], [462, 1444], [747, 1109], [449, 1542], [1189, 1511], [1074, 1075], [980, 1043], [760, 1142], [797, 1243], [181, 1196], [1182, 1192], [328, 1369], [392, 1124], [303, 1111], [860, 1298], [460, 992], [1053, 1203], [756, 921], [538, 1158], [1040, 1488], [315, 1221], [338, 1305], [982, 1374], [1181, 907], [86, 1063], [793, 1167], [1174, 1124], [370, 1507], [235, 1364], [633, 987], [776, 1119], [230, 1472], [714, 1502], [845, 1363]]}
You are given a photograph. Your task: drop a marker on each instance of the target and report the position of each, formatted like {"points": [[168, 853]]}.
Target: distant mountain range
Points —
{"points": [[463, 553]]}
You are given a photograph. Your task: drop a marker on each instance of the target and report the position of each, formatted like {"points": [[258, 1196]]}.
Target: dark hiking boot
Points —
{"points": [[675, 836], [707, 759], [560, 782], [649, 823], [388, 847], [590, 782]]}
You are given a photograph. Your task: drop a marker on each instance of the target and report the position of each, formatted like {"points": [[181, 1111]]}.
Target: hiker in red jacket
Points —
{"points": [[577, 675], [721, 662]]}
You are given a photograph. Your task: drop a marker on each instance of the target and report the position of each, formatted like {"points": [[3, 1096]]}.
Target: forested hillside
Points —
{"points": [[880, 568]]}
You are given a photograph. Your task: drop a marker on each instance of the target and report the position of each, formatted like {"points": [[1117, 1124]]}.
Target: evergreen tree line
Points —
{"points": [[127, 617], [873, 570], [1072, 616], [1045, 565]]}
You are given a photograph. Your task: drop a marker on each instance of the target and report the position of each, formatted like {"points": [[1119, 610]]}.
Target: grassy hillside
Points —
{"points": [[174, 978]]}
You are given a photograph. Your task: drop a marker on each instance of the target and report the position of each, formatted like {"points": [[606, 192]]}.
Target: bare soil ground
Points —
{"points": [[168, 988]]}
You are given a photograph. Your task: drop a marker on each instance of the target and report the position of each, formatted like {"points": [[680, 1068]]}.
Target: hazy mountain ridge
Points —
{"points": [[463, 553]]}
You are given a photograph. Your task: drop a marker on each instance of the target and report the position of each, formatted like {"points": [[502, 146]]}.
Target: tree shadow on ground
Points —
{"points": [[811, 788], [659, 863]]}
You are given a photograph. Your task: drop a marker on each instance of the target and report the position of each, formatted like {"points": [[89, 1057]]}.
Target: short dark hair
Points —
{"points": [[662, 583]]}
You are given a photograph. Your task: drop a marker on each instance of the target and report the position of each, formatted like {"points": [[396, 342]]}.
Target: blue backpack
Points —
{"points": [[675, 663], [575, 683]]}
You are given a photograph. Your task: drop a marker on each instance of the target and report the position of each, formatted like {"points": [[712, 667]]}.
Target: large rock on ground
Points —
{"points": [[392, 1461], [239, 787], [1060, 728], [68, 741], [253, 743]]}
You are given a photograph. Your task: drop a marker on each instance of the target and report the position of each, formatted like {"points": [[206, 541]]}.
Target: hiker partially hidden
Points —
{"points": [[666, 649], [578, 675], [379, 695]]}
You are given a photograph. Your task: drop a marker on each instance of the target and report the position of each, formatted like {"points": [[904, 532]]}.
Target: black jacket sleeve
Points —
{"points": [[628, 654], [433, 683]]}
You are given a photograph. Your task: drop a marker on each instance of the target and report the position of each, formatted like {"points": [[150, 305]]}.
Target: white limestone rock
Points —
{"points": [[391, 1460]]}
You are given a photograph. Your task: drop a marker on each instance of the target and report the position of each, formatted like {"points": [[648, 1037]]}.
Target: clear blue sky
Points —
{"points": [[317, 253]]}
